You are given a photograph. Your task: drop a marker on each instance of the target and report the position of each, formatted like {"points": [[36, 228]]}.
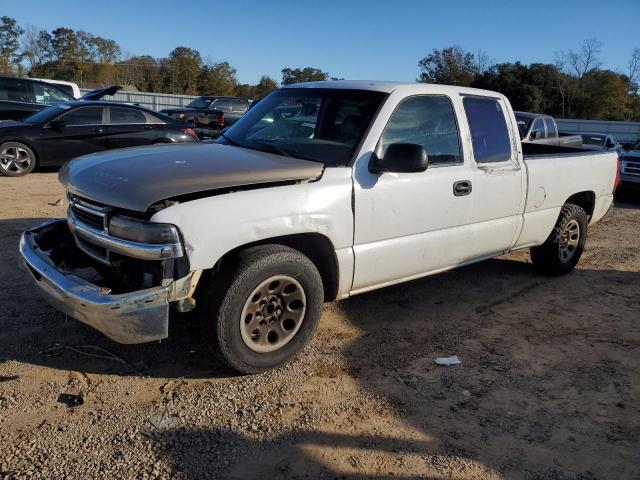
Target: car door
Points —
{"points": [[497, 180], [410, 224], [79, 131], [130, 127]]}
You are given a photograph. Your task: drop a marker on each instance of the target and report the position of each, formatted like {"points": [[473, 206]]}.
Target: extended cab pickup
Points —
{"points": [[537, 128], [358, 186]]}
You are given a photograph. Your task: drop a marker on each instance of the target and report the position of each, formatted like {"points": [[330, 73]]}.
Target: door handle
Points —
{"points": [[97, 131], [462, 187], [148, 127]]}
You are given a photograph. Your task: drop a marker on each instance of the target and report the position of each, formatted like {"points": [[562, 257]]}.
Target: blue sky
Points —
{"points": [[352, 39]]}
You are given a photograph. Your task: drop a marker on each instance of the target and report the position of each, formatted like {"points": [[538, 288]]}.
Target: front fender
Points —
{"points": [[215, 225]]}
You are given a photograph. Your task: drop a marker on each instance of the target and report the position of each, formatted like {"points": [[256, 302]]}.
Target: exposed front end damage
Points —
{"points": [[125, 307]]}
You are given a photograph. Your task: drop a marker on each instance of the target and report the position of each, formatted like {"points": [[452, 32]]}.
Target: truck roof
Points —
{"points": [[388, 87]]}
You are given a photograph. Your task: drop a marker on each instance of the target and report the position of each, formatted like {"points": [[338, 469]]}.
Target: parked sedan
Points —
{"points": [[62, 132]]}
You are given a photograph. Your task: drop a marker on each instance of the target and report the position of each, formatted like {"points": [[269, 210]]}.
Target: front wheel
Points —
{"points": [[16, 159], [560, 253], [261, 308]]}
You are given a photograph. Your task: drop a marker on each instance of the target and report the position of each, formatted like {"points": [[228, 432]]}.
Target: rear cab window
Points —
{"points": [[551, 127], [489, 132], [239, 106]]}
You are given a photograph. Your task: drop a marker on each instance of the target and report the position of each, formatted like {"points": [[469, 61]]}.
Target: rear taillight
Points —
{"points": [[191, 132], [617, 182], [221, 120]]}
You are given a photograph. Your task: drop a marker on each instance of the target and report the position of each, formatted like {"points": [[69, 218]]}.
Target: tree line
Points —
{"points": [[574, 86]]}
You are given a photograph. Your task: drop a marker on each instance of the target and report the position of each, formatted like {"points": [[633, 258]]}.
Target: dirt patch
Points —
{"points": [[548, 388]]}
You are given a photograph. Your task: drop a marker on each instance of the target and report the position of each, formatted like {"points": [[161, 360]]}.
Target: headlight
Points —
{"points": [[143, 232]]}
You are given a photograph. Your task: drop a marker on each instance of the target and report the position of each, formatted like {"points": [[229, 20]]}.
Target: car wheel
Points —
{"points": [[560, 253], [261, 308], [16, 159]]}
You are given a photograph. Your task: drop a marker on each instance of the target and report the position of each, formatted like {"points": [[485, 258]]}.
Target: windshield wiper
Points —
{"points": [[273, 147]]}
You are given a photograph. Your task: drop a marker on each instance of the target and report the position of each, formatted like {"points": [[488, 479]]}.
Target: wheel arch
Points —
{"points": [[586, 200], [317, 247]]}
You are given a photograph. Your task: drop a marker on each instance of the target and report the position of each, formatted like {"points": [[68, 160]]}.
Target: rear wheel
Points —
{"points": [[261, 308], [560, 253], [16, 159]]}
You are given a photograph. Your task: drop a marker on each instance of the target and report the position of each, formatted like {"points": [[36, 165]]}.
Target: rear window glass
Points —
{"points": [[127, 115], [15, 90], [489, 132]]}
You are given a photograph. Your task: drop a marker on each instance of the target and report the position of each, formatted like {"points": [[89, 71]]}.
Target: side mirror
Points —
{"points": [[57, 124], [401, 158]]}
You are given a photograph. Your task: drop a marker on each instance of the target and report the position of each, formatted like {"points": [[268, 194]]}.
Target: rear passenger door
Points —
{"points": [[497, 181], [130, 127]]}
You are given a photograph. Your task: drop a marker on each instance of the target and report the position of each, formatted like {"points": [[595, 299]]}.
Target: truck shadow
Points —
{"points": [[546, 387]]}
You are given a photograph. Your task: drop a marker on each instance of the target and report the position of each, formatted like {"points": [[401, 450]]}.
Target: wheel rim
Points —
{"points": [[14, 160], [569, 240], [273, 314]]}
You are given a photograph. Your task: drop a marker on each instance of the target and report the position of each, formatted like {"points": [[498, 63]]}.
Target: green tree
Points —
{"points": [[9, 44], [451, 66], [265, 86], [307, 74], [217, 79], [184, 66]]}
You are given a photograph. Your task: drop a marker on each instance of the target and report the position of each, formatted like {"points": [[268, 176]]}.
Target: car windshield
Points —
{"points": [[524, 122], [323, 125], [200, 102], [47, 114]]}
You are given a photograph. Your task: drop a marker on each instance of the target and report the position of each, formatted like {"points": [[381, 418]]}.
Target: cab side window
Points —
{"points": [[426, 120], [489, 131], [239, 106], [222, 105], [15, 90]]}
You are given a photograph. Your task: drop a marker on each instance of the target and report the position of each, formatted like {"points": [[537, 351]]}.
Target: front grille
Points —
{"points": [[89, 219], [92, 216], [631, 168]]}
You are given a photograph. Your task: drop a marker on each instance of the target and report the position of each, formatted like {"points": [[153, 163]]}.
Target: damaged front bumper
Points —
{"points": [[130, 317]]}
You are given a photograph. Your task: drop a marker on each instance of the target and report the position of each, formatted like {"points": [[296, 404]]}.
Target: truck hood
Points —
{"points": [[136, 178]]}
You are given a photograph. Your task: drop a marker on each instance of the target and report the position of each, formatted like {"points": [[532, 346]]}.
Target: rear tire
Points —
{"points": [[16, 159], [560, 253], [261, 308]]}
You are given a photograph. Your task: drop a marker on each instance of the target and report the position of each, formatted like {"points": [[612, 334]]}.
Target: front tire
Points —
{"points": [[560, 253], [261, 308], [16, 159]]}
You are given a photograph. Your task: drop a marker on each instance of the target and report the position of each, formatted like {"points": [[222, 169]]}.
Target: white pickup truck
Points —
{"points": [[321, 191]]}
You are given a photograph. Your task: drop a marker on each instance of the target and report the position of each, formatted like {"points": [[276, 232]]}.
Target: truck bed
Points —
{"points": [[552, 180]]}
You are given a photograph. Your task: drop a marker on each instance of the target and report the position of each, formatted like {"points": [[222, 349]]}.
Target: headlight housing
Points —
{"points": [[143, 232]]}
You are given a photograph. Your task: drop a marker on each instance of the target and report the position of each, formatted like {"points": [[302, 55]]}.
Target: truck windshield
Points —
{"points": [[323, 125], [200, 102]]}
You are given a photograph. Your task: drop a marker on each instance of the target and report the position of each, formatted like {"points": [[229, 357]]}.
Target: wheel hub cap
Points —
{"points": [[14, 159], [273, 313], [569, 240]]}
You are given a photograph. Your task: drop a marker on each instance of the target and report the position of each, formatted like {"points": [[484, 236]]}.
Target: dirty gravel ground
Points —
{"points": [[549, 387]]}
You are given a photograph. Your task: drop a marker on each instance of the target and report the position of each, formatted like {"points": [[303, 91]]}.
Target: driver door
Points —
{"points": [[409, 224], [81, 133]]}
